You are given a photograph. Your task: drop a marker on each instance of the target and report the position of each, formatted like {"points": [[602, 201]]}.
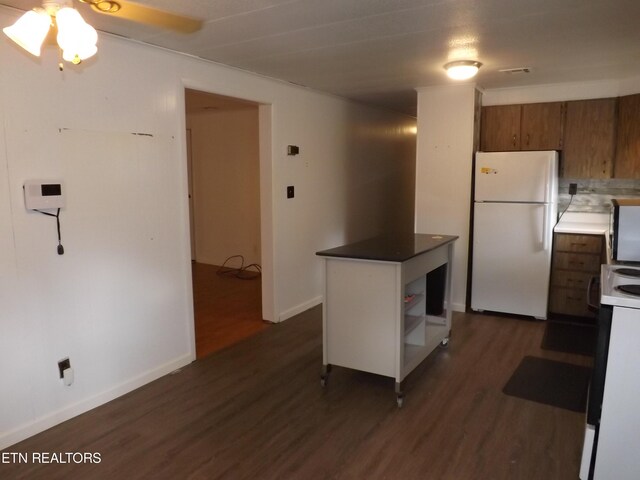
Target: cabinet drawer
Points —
{"points": [[577, 261], [578, 243], [569, 301], [571, 279]]}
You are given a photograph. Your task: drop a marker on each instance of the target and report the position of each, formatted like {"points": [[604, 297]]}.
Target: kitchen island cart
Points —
{"points": [[387, 304]]}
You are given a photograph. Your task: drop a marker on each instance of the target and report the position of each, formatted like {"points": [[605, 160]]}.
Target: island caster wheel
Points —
{"points": [[324, 376], [444, 342], [399, 394]]}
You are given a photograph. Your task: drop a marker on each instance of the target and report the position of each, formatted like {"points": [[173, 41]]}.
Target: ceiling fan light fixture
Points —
{"points": [[30, 30], [462, 69], [76, 38]]}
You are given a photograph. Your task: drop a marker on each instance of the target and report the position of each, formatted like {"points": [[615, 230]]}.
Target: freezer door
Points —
{"points": [[516, 177], [511, 258]]}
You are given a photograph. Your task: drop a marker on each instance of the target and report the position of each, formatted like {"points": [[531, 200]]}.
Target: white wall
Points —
{"points": [[226, 185], [443, 172], [119, 302]]}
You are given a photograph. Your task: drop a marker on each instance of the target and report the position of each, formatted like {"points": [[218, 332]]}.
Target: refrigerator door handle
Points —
{"points": [[545, 227], [547, 183]]}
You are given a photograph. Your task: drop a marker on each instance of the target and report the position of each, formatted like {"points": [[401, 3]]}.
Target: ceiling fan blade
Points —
{"points": [[147, 15]]}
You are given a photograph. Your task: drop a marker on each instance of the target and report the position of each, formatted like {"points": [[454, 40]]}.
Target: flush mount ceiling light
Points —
{"points": [[76, 38], [462, 69]]}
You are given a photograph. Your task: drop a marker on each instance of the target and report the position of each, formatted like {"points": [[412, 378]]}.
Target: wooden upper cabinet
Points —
{"points": [[589, 138], [541, 126], [534, 126], [627, 162], [500, 128]]}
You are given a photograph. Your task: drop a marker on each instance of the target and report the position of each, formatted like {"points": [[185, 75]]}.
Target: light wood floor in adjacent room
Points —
{"points": [[256, 410], [226, 309]]}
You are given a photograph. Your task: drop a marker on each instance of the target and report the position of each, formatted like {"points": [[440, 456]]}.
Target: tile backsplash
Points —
{"points": [[594, 196]]}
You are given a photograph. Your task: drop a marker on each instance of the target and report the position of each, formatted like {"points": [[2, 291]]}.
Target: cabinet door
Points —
{"points": [[571, 242], [542, 126], [577, 262], [569, 301], [627, 162], [576, 259], [589, 138], [500, 128]]}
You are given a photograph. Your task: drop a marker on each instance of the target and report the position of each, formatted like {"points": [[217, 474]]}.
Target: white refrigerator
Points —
{"points": [[515, 210]]}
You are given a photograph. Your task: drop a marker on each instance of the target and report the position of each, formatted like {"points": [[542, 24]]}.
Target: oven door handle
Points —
{"points": [[594, 285]]}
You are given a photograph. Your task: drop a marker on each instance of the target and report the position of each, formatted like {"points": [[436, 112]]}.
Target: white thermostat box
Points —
{"points": [[43, 194]]}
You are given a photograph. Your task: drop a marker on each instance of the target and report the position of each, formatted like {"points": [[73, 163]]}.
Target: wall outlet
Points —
{"points": [[573, 188], [63, 365], [290, 191]]}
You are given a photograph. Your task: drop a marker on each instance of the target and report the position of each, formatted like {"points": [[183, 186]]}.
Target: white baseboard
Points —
{"points": [[292, 312], [458, 307], [54, 418]]}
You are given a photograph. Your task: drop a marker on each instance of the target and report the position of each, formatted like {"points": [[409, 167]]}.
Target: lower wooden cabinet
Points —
{"points": [[576, 260]]}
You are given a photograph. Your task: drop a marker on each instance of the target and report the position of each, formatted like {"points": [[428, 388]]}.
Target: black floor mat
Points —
{"points": [[553, 383], [570, 338]]}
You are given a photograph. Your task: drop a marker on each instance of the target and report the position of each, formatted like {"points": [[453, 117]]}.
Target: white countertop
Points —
{"points": [[583, 223], [586, 224]]}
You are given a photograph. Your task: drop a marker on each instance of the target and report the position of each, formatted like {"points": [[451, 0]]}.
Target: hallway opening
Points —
{"points": [[223, 157]]}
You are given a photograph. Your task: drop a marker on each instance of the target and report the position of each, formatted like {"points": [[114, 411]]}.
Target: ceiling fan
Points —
{"points": [[147, 15], [76, 38]]}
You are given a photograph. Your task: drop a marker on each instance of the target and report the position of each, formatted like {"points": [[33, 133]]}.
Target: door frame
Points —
{"points": [[267, 243]]}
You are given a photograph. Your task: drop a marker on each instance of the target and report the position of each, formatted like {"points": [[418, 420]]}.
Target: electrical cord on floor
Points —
{"points": [[249, 272]]}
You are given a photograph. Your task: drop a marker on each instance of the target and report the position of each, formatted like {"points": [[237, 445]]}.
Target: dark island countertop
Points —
{"points": [[390, 248]]}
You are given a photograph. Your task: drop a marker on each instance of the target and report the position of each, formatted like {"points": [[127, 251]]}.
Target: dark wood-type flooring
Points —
{"points": [[256, 410], [226, 309]]}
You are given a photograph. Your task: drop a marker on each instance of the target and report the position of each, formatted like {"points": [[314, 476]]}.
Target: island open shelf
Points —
{"points": [[386, 304]]}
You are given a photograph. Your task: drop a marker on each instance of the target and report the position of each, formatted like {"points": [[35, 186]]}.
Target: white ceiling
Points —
{"points": [[378, 51]]}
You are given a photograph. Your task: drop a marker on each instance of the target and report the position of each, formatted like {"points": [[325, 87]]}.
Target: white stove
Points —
{"points": [[620, 286], [612, 433]]}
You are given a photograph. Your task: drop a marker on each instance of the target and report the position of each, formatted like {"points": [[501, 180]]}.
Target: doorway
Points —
{"points": [[223, 163]]}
